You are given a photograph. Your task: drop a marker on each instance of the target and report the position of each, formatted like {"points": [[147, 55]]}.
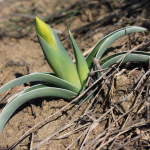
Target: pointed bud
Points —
{"points": [[57, 57]]}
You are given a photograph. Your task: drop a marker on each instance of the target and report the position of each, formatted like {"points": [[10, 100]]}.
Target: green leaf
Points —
{"points": [[38, 86], [31, 94], [106, 41], [44, 77], [132, 57], [82, 67], [30, 89], [56, 56]]}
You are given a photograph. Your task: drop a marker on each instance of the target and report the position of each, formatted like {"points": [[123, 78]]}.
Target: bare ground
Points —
{"points": [[20, 54]]}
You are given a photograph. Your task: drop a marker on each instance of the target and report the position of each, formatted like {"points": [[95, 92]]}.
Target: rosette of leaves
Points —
{"points": [[67, 80]]}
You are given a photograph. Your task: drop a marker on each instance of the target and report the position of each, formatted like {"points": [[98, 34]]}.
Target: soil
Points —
{"points": [[20, 55]]}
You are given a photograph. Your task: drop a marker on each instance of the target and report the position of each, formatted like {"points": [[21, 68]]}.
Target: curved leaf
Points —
{"points": [[44, 77], [34, 93], [38, 86], [30, 89], [106, 41], [134, 56], [82, 67]]}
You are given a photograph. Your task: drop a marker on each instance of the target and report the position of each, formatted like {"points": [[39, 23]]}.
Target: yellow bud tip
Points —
{"points": [[44, 31]]}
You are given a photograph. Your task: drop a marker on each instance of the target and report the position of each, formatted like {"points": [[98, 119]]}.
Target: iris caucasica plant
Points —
{"points": [[67, 80]]}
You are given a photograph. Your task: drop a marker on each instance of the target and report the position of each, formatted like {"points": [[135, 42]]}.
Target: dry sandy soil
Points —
{"points": [[20, 54]]}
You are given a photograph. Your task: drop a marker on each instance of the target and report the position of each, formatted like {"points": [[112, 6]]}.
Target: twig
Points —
{"points": [[3, 98], [117, 108], [104, 139], [4, 77], [133, 139], [77, 139], [31, 144], [148, 92], [139, 83], [73, 131], [85, 138], [100, 68]]}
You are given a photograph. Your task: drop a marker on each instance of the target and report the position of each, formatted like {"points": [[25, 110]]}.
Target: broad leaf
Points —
{"points": [[31, 94], [44, 77], [132, 57], [106, 41]]}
